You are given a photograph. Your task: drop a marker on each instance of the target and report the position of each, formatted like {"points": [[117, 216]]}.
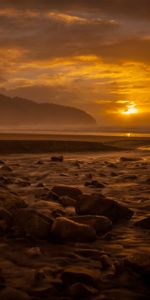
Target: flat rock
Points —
{"points": [[62, 190], [64, 229], [143, 223], [97, 204], [101, 224]]}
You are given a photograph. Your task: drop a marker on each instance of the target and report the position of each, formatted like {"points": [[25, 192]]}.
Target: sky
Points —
{"points": [[89, 54]]}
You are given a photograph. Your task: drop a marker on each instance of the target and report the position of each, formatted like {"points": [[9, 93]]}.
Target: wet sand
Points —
{"points": [[36, 265]]}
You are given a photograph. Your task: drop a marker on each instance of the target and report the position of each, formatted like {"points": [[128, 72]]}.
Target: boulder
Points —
{"points": [[62, 190], [97, 204], [101, 224], [33, 223], [64, 229], [144, 223], [11, 201], [85, 275]]}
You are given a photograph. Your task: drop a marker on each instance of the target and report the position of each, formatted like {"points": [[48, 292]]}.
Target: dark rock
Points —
{"points": [[13, 294], [5, 220], [59, 158], [94, 184], [6, 169], [112, 165], [11, 201], [129, 159], [144, 223], [83, 275], [101, 224], [97, 204], [33, 223], [62, 190], [140, 263], [5, 180], [81, 291], [64, 229]]}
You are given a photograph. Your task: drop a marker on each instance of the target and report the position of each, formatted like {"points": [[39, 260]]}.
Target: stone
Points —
{"points": [[79, 291], [11, 201], [101, 224], [13, 294], [140, 263], [59, 158], [143, 223], [5, 220], [85, 275], [129, 159], [34, 252], [6, 169], [33, 223], [64, 229], [98, 204], [62, 190], [67, 201], [94, 184]]}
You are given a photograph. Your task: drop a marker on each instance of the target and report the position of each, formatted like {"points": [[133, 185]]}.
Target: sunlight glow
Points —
{"points": [[131, 109]]}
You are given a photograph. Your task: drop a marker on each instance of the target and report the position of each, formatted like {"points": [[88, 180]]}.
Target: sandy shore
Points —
{"points": [[71, 228]]}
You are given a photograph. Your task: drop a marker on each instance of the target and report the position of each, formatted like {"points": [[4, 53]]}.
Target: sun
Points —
{"points": [[130, 110]]}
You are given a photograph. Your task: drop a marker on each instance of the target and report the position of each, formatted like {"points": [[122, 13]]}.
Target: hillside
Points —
{"points": [[17, 111]]}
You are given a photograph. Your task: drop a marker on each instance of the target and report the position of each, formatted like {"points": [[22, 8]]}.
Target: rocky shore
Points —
{"points": [[75, 226]]}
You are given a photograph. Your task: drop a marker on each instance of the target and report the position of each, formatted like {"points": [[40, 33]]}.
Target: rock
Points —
{"points": [[129, 159], [33, 223], [34, 252], [140, 263], [62, 190], [5, 180], [112, 165], [101, 224], [94, 184], [13, 294], [67, 201], [144, 223], [80, 291], [48, 208], [64, 229], [5, 220], [59, 158], [6, 169], [97, 204], [85, 275], [2, 280], [11, 201]]}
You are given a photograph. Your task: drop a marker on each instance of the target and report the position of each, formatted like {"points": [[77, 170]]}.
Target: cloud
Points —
{"points": [[135, 8]]}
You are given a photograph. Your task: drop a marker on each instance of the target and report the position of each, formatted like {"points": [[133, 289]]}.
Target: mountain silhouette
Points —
{"points": [[18, 111]]}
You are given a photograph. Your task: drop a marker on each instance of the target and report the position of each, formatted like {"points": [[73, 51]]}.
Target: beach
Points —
{"points": [[74, 217]]}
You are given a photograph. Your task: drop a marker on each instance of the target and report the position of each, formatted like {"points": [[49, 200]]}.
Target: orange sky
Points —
{"points": [[89, 54]]}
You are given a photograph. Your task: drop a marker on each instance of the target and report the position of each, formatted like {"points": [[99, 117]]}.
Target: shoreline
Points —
{"points": [[41, 143]]}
